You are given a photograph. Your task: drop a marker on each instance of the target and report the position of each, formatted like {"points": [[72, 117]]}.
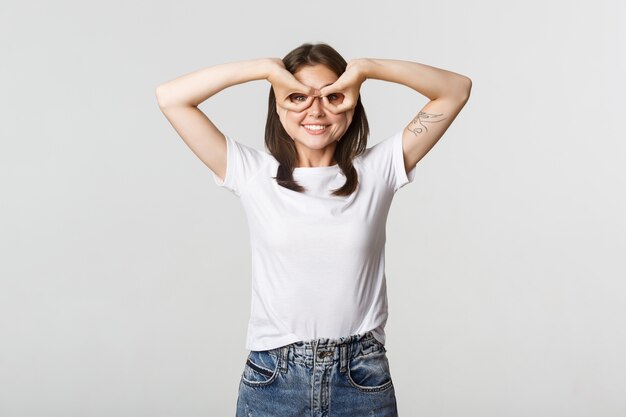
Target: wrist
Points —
{"points": [[271, 65], [363, 66]]}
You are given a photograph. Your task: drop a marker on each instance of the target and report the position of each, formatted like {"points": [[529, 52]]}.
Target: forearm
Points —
{"points": [[430, 81], [194, 88]]}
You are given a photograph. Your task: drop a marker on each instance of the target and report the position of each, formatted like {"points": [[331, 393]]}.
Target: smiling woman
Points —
{"points": [[316, 203], [310, 134], [314, 120]]}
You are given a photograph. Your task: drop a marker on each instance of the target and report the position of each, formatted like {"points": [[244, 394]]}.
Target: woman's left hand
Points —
{"points": [[347, 87]]}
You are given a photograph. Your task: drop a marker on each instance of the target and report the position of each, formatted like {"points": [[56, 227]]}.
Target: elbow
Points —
{"points": [[468, 86], [458, 89], [160, 96], [166, 98], [464, 89]]}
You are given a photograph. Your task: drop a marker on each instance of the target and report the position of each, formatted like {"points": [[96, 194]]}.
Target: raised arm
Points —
{"points": [[448, 92], [178, 100]]}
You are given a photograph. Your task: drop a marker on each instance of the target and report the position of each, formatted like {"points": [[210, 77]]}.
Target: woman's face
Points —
{"points": [[315, 143]]}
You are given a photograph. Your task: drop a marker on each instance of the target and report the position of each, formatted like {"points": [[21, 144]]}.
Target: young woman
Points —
{"points": [[317, 203]]}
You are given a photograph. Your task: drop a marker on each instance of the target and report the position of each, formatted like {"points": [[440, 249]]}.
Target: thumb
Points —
{"points": [[333, 88], [298, 87]]}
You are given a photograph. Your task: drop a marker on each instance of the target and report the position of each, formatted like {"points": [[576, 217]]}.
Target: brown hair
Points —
{"points": [[280, 144]]}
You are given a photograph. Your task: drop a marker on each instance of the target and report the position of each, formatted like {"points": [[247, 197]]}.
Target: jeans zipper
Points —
{"points": [[314, 370]]}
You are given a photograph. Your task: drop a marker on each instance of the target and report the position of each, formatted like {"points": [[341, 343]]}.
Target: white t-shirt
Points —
{"points": [[318, 261]]}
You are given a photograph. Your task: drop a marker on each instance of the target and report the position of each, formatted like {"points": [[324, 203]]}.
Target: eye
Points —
{"points": [[336, 98], [298, 98]]}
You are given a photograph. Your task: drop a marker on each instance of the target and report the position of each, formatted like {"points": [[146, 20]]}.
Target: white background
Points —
{"points": [[125, 270]]}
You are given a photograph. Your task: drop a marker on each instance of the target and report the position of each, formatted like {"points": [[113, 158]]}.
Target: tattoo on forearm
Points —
{"points": [[422, 118]]}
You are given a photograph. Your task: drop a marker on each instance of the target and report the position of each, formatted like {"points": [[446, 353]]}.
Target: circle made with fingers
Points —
{"points": [[303, 101]]}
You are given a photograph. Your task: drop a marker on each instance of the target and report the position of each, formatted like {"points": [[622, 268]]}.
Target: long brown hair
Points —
{"points": [[281, 146]]}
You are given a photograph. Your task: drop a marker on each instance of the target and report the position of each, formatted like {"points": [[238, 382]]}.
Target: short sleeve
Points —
{"points": [[387, 159], [242, 163]]}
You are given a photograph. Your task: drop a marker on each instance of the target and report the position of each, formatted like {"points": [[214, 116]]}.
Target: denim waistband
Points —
{"points": [[327, 351]]}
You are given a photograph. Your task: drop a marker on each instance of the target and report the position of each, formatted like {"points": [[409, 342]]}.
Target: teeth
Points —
{"points": [[315, 127]]}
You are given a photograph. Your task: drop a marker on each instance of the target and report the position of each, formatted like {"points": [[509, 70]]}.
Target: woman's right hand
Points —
{"points": [[285, 85]]}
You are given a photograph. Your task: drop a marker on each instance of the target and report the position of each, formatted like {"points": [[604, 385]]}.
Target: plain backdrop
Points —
{"points": [[125, 271]]}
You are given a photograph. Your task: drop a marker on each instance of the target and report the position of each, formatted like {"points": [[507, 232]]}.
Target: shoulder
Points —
{"points": [[386, 160], [248, 152], [243, 163]]}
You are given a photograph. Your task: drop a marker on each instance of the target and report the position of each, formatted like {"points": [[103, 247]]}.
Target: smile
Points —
{"points": [[315, 129]]}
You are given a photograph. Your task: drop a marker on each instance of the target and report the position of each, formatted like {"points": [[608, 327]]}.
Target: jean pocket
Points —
{"points": [[260, 370], [370, 372]]}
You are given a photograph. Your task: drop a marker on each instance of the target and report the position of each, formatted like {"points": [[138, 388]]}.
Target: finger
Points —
{"points": [[336, 87], [290, 103], [293, 98], [341, 84], [347, 104], [286, 84], [304, 89], [296, 86], [333, 108], [350, 102], [294, 107]]}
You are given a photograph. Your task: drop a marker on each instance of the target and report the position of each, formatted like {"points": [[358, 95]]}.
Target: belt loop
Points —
{"points": [[343, 357], [284, 358]]}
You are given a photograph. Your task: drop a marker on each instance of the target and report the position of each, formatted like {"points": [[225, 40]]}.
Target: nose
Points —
{"points": [[317, 107]]}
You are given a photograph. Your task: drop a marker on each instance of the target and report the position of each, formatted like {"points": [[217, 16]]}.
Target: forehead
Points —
{"points": [[316, 76]]}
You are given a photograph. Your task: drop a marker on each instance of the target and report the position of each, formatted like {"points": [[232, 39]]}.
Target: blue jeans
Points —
{"points": [[345, 377]]}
